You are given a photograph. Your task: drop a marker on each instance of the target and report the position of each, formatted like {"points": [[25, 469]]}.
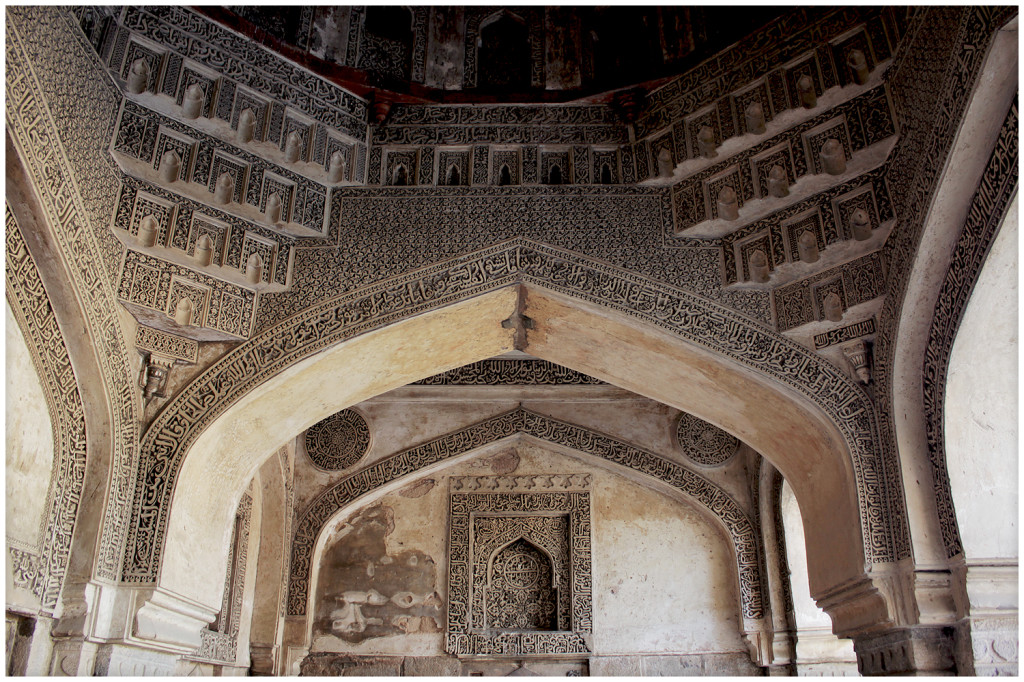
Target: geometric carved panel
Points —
{"points": [[519, 580], [339, 441], [703, 443]]}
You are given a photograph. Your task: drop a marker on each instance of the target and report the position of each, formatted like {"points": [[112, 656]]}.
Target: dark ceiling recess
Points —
{"points": [[483, 54]]}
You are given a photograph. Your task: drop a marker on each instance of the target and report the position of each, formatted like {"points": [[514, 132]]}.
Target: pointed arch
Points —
{"points": [[500, 429], [801, 412]]}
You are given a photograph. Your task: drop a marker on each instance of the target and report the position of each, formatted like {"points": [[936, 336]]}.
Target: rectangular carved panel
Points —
{"points": [[519, 580]]}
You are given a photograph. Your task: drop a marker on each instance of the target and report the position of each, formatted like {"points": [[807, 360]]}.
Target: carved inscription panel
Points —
{"points": [[519, 580]]}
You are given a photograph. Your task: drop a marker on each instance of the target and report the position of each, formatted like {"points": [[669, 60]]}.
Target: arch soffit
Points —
{"points": [[658, 306], [712, 501], [955, 231]]}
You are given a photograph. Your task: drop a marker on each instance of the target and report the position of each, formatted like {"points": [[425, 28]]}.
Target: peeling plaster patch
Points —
{"points": [[365, 592]]}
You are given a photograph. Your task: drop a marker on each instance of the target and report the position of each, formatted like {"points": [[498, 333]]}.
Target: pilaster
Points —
{"points": [[906, 651]]}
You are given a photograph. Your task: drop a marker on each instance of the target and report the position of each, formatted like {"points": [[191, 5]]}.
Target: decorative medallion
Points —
{"points": [[339, 441], [703, 443]]}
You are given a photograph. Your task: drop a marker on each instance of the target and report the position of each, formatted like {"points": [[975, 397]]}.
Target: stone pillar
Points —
{"points": [[918, 650], [128, 631], [73, 657], [262, 657], [294, 646], [987, 634]]}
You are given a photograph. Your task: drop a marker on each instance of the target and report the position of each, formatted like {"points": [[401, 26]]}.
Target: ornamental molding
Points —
{"points": [[60, 119], [938, 61], [501, 372], [525, 423], [987, 210]]}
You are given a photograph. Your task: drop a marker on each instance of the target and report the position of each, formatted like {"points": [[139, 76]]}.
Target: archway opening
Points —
{"points": [[601, 343]]}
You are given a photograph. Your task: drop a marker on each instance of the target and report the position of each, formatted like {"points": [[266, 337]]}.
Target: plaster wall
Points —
{"points": [[981, 415], [29, 443], [641, 540], [818, 651]]}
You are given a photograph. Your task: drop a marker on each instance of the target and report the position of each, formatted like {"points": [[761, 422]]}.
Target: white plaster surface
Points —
{"points": [[642, 541], [981, 411], [815, 642], [808, 615], [29, 442]]}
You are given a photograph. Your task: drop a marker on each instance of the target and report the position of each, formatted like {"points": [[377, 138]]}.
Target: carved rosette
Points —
{"points": [[703, 443], [339, 441]]}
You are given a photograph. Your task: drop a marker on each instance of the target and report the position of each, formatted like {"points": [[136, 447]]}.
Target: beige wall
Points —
{"points": [[29, 442], [664, 577]]}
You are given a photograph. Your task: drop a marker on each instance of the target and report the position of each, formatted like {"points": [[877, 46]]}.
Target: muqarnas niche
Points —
{"points": [[365, 592]]}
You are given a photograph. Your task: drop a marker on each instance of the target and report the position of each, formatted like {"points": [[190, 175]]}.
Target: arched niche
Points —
{"points": [[504, 52], [681, 370]]}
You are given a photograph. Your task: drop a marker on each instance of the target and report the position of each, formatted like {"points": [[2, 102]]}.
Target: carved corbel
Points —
{"points": [[153, 375], [858, 355]]}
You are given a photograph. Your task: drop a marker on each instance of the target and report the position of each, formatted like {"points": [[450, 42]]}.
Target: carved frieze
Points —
{"points": [[43, 572], [985, 215], [510, 372], [170, 345]]}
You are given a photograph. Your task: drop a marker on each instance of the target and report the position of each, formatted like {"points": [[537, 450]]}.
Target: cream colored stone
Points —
{"points": [[29, 444]]}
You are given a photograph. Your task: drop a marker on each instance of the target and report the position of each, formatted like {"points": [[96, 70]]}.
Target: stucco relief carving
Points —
{"points": [[339, 441], [703, 443], [850, 406], [985, 215], [519, 572], [69, 121], [937, 62], [509, 372], [670, 309], [43, 573], [506, 425]]}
